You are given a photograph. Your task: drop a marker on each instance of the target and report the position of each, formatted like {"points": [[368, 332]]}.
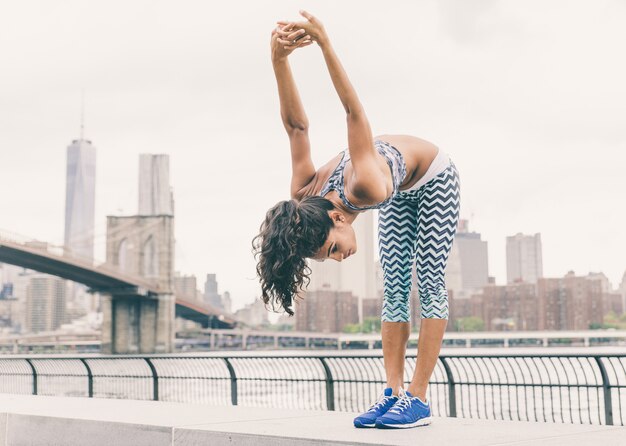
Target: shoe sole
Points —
{"points": [[421, 422], [363, 425]]}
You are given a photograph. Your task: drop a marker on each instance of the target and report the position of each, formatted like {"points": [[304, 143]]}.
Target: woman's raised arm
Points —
{"points": [[367, 174], [291, 110]]}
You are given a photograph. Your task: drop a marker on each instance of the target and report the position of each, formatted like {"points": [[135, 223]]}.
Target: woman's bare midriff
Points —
{"points": [[418, 154]]}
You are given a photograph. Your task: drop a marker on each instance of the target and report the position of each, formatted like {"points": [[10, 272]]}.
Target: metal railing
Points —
{"points": [[568, 388]]}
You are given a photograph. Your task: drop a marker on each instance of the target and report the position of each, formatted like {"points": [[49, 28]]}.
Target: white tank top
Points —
{"points": [[439, 164]]}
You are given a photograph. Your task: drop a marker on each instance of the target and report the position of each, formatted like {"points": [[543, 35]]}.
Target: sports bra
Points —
{"points": [[396, 163]]}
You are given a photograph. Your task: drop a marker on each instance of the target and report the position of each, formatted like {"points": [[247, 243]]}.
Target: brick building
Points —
{"points": [[612, 302], [569, 303], [326, 311]]}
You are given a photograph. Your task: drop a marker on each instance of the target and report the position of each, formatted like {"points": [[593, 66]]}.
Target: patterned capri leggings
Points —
{"points": [[417, 228]]}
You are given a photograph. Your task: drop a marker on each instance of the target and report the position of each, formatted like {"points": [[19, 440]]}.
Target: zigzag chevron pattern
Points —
{"points": [[397, 227], [418, 227]]}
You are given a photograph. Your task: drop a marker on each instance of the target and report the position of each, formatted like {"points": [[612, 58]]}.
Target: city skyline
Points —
{"points": [[538, 137]]}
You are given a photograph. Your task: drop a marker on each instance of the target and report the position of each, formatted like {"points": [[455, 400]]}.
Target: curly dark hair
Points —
{"points": [[291, 232]]}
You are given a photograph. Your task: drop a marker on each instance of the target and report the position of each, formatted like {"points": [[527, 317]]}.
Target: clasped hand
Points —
{"points": [[288, 36]]}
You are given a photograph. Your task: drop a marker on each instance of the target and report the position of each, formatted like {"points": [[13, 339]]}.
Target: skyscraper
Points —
{"points": [[359, 272], [155, 192], [523, 258], [356, 274], [45, 303], [227, 302], [468, 268], [253, 314], [80, 197], [211, 296], [185, 286]]}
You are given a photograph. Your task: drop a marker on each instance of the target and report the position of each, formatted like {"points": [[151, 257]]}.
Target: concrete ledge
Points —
{"points": [[44, 420]]}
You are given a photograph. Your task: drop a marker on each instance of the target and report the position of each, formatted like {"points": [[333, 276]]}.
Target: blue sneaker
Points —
{"points": [[384, 403], [409, 411]]}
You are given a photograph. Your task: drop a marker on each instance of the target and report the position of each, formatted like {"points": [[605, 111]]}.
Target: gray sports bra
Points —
{"points": [[396, 164]]}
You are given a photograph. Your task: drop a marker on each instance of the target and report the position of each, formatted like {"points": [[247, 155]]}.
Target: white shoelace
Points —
{"points": [[404, 401], [382, 400]]}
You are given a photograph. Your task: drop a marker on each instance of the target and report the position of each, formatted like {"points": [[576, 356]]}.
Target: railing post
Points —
{"points": [[233, 381], [330, 385], [89, 378], [608, 404], [155, 380], [34, 376], [451, 387]]}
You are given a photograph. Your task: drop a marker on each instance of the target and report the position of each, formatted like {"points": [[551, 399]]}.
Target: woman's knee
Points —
{"points": [[434, 304], [396, 308]]}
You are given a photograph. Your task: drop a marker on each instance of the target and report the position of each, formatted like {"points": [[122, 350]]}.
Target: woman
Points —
{"points": [[416, 189]]}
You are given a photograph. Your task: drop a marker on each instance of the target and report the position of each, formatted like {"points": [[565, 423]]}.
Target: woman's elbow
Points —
{"points": [[296, 127], [354, 111], [356, 114]]}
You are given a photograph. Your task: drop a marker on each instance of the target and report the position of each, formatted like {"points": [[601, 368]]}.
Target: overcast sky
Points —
{"points": [[528, 98]]}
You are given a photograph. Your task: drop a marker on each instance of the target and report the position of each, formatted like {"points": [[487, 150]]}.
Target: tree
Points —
{"points": [[371, 325], [471, 323], [352, 328]]}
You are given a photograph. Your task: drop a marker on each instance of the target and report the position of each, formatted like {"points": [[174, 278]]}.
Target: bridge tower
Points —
{"points": [[135, 321]]}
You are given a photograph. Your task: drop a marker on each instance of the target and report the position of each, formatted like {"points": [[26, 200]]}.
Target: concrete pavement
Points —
{"points": [[45, 420]]}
